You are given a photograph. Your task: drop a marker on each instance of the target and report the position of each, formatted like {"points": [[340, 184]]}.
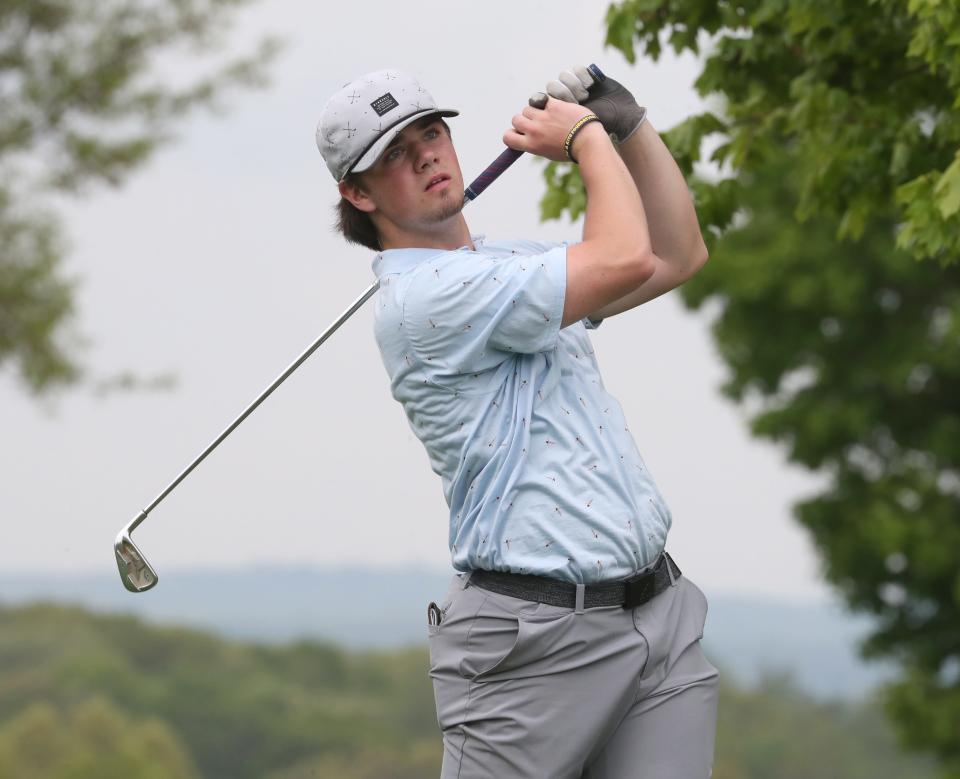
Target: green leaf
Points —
{"points": [[947, 190]]}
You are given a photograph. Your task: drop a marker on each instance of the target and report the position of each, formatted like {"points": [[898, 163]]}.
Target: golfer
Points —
{"points": [[568, 643]]}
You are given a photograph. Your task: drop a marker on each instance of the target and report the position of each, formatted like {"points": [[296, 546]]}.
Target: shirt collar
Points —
{"points": [[400, 260]]}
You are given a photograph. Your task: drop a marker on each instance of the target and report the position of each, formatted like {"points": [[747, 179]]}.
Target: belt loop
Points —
{"points": [[465, 580], [673, 582], [580, 592]]}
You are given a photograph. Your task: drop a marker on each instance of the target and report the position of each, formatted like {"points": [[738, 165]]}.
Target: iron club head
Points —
{"points": [[136, 573]]}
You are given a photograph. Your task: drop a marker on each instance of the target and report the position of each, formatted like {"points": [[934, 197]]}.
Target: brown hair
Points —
{"points": [[356, 225]]}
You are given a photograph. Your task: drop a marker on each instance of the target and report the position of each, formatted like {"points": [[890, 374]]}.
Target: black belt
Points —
{"points": [[628, 593]]}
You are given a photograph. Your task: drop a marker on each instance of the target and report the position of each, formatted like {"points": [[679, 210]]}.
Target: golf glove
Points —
{"points": [[613, 104]]}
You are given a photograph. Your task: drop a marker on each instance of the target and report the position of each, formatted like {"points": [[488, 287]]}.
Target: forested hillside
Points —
{"points": [[83, 695]]}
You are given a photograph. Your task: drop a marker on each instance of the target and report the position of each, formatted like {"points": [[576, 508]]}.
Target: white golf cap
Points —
{"points": [[361, 119]]}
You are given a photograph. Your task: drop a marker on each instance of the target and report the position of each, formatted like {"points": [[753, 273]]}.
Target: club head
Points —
{"points": [[135, 571]]}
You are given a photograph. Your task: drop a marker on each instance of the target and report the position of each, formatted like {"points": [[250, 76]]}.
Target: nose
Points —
{"points": [[426, 155]]}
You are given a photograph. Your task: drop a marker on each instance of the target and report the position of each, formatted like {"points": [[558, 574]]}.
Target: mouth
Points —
{"points": [[437, 182]]}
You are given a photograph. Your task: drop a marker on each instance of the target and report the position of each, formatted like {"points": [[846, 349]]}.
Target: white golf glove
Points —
{"points": [[613, 104]]}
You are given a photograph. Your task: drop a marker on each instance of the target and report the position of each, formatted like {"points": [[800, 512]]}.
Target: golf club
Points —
{"points": [[135, 572]]}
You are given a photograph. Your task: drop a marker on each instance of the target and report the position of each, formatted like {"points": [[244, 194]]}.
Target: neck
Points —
{"points": [[449, 234]]}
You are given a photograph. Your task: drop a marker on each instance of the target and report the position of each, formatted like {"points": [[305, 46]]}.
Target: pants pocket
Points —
{"points": [[492, 639], [481, 633], [670, 622], [443, 606], [475, 634]]}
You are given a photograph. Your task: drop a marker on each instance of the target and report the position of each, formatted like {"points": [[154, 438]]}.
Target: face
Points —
{"points": [[415, 188]]}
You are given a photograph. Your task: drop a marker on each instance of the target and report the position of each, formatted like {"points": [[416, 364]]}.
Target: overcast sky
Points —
{"points": [[217, 263]]}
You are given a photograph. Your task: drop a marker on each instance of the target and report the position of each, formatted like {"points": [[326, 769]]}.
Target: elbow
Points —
{"points": [[697, 259], [646, 263], [700, 257], [702, 254], [637, 261], [643, 264]]}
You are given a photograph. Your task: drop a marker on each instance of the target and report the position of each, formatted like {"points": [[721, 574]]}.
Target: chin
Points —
{"points": [[451, 206]]}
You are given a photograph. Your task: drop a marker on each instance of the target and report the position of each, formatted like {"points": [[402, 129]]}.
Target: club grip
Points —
{"points": [[494, 169], [508, 157], [596, 72]]}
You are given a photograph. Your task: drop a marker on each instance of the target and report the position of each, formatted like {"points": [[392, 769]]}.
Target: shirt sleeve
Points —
{"points": [[463, 308]]}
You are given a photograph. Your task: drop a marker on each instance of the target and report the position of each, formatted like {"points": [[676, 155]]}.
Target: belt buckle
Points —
{"points": [[638, 589]]}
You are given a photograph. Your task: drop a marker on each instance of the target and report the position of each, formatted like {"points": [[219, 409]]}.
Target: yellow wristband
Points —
{"points": [[574, 130]]}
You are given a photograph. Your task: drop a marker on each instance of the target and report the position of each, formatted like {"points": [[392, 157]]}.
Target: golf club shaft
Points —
{"points": [[484, 180], [263, 396], [493, 171], [136, 573]]}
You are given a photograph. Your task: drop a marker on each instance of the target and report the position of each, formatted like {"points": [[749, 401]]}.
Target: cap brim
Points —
{"points": [[371, 155]]}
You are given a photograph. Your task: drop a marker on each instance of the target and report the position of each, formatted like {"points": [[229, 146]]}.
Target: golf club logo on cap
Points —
{"points": [[352, 133], [384, 103]]}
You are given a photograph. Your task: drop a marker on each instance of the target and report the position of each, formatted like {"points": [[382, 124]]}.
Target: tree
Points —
{"points": [[93, 739], [853, 351], [308, 709], [83, 103], [839, 125]]}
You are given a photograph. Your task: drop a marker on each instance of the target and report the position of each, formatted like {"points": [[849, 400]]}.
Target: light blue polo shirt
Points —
{"points": [[538, 467]]}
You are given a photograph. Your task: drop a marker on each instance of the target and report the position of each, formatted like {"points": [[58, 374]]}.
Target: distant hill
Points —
{"points": [[92, 696], [749, 636]]}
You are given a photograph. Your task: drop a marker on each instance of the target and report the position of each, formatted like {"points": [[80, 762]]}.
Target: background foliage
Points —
{"points": [[834, 234], [85, 98], [110, 697]]}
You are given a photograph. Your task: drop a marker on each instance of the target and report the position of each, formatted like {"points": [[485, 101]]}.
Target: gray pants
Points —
{"points": [[527, 690]]}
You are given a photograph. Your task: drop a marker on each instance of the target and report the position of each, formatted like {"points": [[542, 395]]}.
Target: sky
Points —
{"points": [[217, 263]]}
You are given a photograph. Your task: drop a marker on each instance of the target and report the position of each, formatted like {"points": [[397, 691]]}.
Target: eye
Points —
{"points": [[394, 153]]}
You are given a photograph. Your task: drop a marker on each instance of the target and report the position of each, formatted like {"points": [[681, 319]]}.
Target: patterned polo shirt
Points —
{"points": [[539, 469]]}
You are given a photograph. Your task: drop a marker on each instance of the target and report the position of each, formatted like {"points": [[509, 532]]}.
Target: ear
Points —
{"points": [[357, 196]]}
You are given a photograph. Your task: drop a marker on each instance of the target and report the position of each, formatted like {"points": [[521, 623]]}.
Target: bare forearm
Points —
{"points": [[671, 218], [614, 212]]}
